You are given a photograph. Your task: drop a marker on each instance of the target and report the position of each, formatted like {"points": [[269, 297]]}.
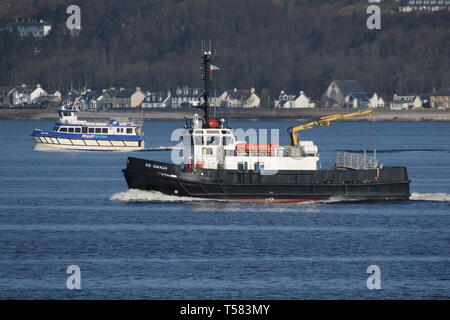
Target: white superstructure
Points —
{"points": [[216, 147]]}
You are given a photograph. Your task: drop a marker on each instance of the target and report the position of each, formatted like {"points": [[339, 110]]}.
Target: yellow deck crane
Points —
{"points": [[324, 121]]}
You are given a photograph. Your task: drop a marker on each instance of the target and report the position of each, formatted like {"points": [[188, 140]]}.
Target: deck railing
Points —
{"points": [[347, 160]]}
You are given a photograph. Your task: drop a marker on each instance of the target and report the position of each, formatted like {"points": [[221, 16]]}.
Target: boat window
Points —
{"points": [[55, 129], [242, 166], [212, 141], [259, 166], [104, 130], [98, 130], [226, 141], [84, 129], [129, 130], [63, 129], [198, 140], [71, 130], [91, 130], [119, 130], [77, 130]]}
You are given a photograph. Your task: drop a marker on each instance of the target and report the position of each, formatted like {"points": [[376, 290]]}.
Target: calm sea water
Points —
{"points": [[59, 209]]}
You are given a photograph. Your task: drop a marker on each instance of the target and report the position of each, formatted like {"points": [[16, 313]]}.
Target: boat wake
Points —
{"points": [[135, 195], [442, 197], [143, 196]]}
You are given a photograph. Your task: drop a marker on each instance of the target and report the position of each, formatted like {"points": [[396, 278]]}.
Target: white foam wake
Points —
{"points": [[443, 197], [135, 195]]}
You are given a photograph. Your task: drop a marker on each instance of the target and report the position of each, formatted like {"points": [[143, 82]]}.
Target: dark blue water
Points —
{"points": [[55, 211]]}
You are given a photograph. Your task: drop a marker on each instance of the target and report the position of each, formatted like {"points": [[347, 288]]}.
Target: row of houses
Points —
{"points": [[339, 94], [123, 98], [350, 94], [27, 95], [423, 5], [437, 100], [36, 29], [182, 97]]}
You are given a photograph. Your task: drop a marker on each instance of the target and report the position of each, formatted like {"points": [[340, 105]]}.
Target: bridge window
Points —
{"points": [[212, 141], [226, 141], [198, 140]]}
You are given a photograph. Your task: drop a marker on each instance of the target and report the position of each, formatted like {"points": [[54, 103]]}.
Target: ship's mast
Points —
{"points": [[206, 78]]}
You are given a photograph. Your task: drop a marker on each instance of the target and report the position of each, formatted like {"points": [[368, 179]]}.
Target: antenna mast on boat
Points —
{"points": [[206, 78]]}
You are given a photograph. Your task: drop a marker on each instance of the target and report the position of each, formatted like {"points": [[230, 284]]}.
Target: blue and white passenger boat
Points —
{"points": [[72, 134]]}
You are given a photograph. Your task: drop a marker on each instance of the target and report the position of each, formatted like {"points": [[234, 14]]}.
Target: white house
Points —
{"points": [[25, 95], [185, 97], [294, 101], [423, 5], [25, 29], [235, 98], [156, 100], [375, 101], [406, 102]]}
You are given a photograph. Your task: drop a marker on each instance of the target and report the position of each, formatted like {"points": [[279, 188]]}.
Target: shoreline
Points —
{"points": [[261, 114]]}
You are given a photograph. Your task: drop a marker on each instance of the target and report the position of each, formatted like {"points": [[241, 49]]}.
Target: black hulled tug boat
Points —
{"points": [[217, 166]]}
